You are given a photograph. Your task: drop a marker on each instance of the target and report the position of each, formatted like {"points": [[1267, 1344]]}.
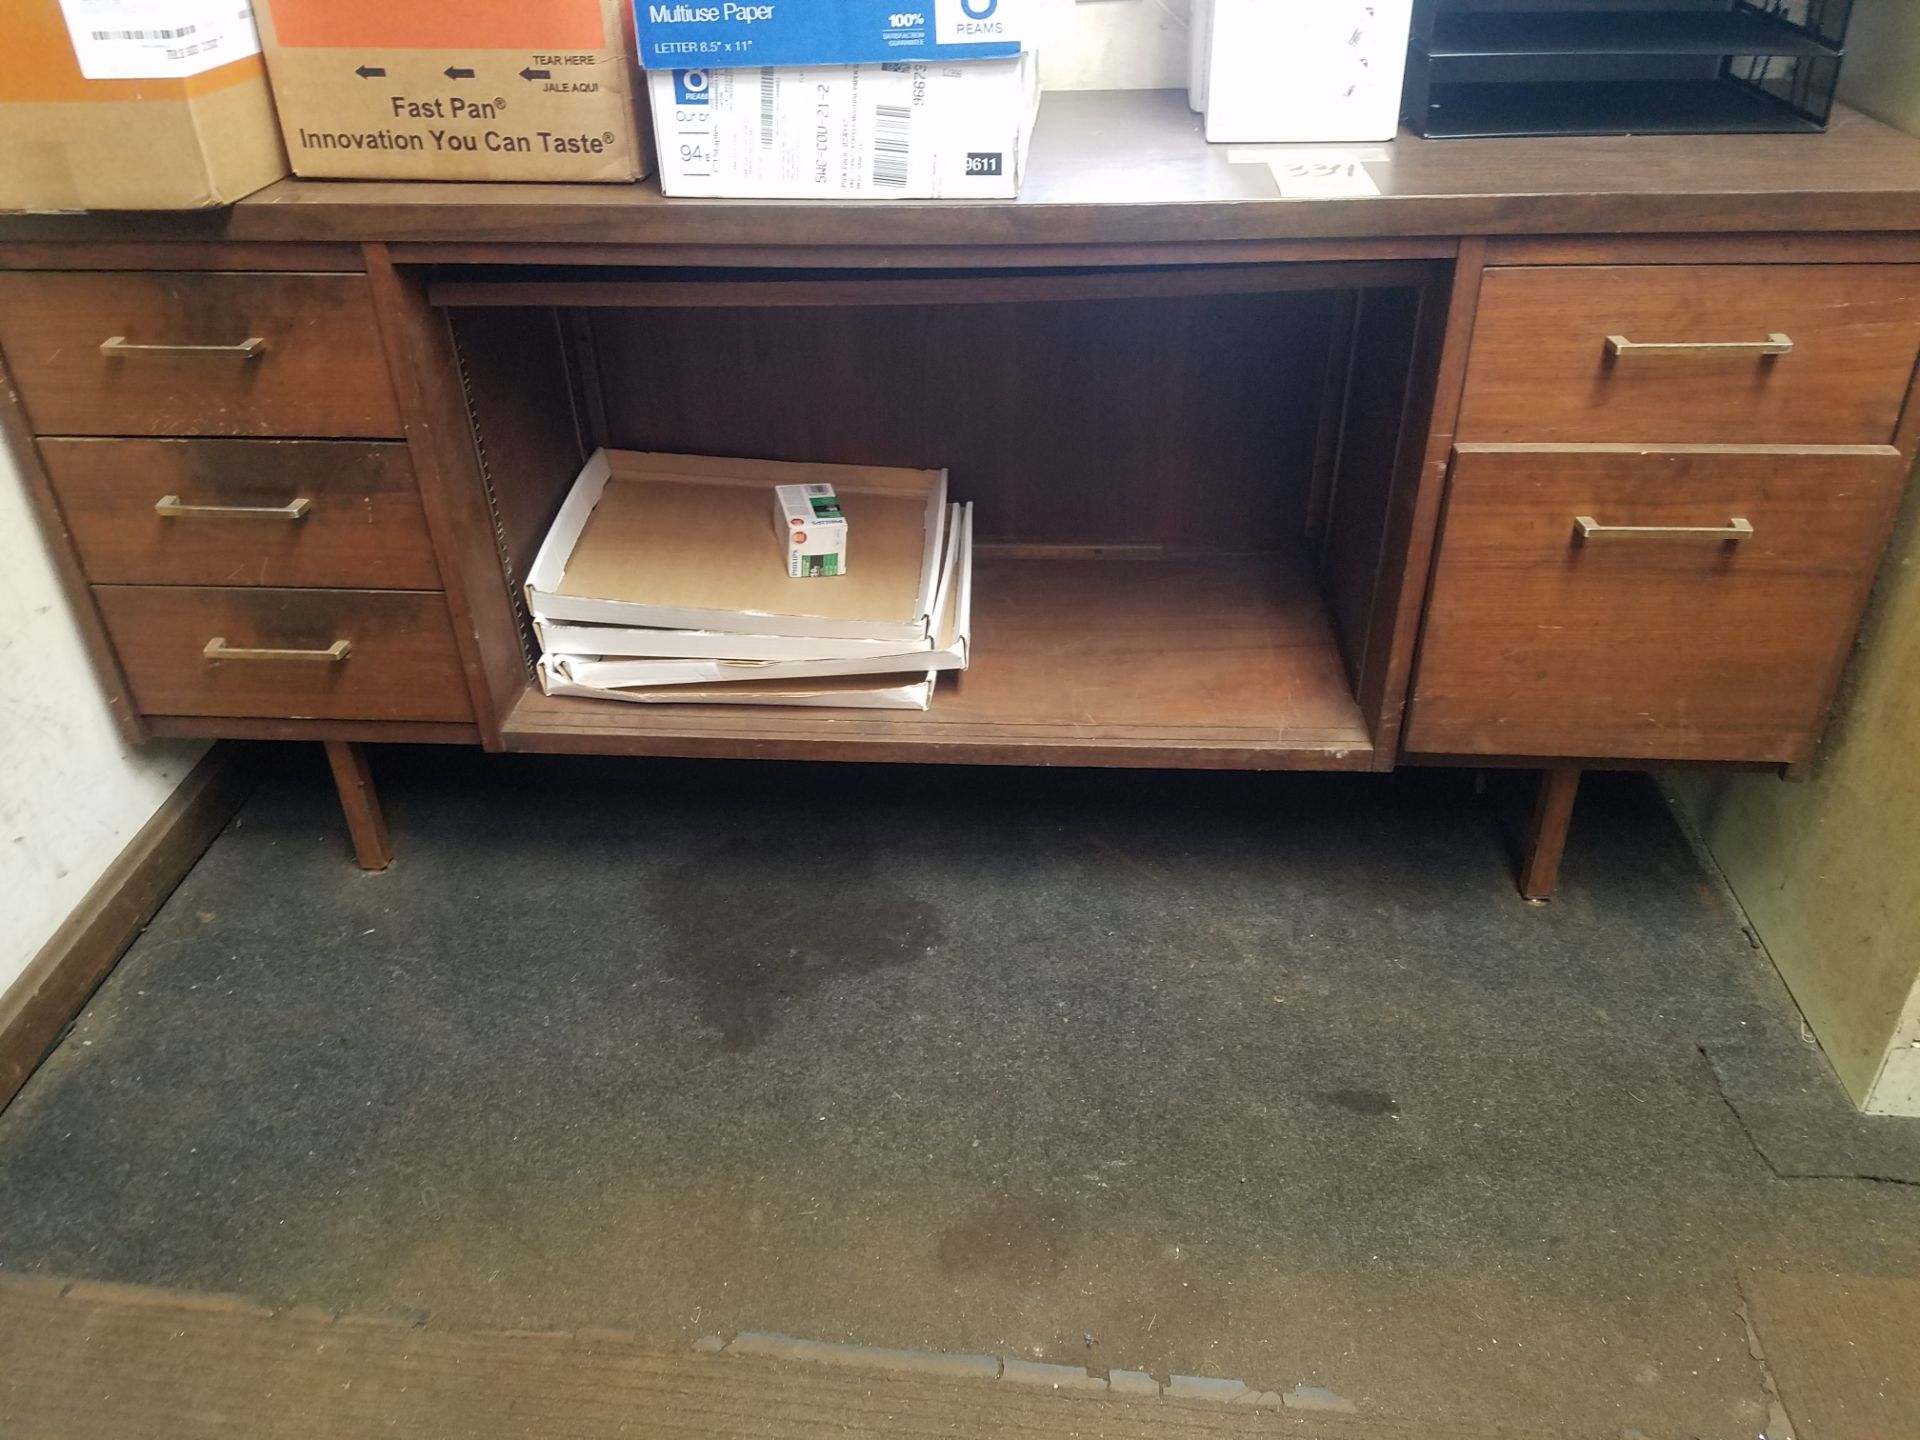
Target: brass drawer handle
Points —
{"points": [[218, 649], [172, 507], [251, 348], [1774, 344], [1736, 529]]}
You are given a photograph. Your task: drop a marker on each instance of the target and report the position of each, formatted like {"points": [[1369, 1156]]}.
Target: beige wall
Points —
{"points": [[1114, 44], [1882, 71], [72, 793], [1829, 870]]}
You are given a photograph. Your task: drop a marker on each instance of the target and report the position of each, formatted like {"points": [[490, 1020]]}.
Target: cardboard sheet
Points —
{"points": [[887, 692], [687, 542], [951, 652], [559, 638]]}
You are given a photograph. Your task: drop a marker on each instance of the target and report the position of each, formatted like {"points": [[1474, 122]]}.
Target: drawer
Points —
{"points": [[347, 654], [1542, 367], [243, 512], [1652, 644], [185, 353]]}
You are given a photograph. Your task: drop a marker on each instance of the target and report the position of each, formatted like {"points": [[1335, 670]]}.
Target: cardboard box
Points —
{"points": [[812, 527], [182, 124], [908, 691], [890, 132], [718, 34], [949, 648], [680, 542], [456, 89], [1329, 72]]}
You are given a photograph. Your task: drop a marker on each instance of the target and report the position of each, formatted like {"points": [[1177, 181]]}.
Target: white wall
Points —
{"points": [[72, 794], [1114, 45]]}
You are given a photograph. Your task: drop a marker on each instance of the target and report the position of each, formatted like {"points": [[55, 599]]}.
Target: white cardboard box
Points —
{"points": [[950, 648], [1328, 72], [919, 131], [560, 638], [681, 543], [898, 692]]}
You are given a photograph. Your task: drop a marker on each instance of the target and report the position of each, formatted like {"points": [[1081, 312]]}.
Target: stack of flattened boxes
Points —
{"points": [[1670, 492], [224, 451]]}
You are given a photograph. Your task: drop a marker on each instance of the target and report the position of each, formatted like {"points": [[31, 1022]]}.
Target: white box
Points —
{"points": [[811, 529], [909, 691], [950, 648], [680, 543], [923, 131], [1328, 72]]}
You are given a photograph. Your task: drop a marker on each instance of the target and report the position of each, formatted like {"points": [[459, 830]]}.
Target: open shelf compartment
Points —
{"points": [[1180, 546], [1115, 660]]}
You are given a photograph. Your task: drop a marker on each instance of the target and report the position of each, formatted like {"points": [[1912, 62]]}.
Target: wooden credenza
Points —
{"points": [[1558, 454]]}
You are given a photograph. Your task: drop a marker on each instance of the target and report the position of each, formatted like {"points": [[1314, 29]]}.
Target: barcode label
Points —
{"points": [[892, 132], [180, 34], [157, 39], [767, 92]]}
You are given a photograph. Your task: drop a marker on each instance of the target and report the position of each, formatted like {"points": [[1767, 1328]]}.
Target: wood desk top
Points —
{"points": [[1130, 167]]}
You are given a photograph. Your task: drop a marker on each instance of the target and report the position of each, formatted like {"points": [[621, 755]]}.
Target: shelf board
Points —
{"points": [[1218, 663], [1497, 34], [1608, 107]]}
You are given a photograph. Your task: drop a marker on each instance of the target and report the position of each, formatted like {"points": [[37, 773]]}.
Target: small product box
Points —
{"points": [[891, 131], [456, 89], [813, 529], [690, 33]]}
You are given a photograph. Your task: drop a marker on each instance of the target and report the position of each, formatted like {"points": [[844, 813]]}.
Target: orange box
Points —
{"points": [[456, 89], [70, 143]]}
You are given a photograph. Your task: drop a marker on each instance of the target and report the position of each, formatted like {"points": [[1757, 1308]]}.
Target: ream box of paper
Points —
{"points": [[720, 33]]}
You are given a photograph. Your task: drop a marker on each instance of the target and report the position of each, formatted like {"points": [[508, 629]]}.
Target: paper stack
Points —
{"points": [[663, 580]]}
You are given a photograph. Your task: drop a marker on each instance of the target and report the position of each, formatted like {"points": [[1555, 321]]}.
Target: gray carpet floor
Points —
{"points": [[1270, 1077]]}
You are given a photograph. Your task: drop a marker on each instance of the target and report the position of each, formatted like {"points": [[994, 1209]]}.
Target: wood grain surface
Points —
{"points": [[450, 464], [1131, 167], [97, 1361], [1654, 647], [403, 664], [1541, 370], [363, 527], [1189, 423], [1220, 662], [319, 372]]}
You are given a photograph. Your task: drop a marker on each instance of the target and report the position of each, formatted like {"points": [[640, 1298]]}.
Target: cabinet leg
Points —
{"points": [[361, 803], [1547, 836]]}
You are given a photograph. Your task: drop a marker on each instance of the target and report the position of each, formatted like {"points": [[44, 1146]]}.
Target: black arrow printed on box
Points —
{"points": [[454, 72], [368, 72], [531, 74]]}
